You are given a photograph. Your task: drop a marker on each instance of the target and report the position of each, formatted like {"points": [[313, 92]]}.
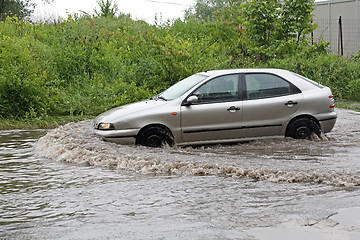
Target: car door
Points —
{"points": [[217, 113], [269, 101]]}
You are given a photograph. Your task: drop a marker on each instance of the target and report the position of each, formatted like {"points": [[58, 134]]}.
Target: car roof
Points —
{"points": [[298, 80], [214, 73]]}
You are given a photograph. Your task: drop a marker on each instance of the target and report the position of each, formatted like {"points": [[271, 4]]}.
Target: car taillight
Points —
{"points": [[332, 100]]}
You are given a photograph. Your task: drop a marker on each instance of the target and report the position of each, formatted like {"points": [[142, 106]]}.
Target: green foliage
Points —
{"points": [[278, 29], [18, 8], [261, 18], [204, 10], [341, 74], [107, 8], [296, 19], [23, 75], [85, 65], [257, 30]]}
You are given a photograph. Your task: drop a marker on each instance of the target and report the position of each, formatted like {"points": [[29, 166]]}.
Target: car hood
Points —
{"points": [[113, 114]]}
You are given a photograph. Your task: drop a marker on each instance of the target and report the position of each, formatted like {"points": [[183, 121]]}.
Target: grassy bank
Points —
{"points": [[40, 123], [351, 105]]}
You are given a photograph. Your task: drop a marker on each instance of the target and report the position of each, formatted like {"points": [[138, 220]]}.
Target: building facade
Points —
{"points": [[339, 24]]}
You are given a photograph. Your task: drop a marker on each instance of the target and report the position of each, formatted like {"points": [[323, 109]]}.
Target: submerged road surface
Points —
{"points": [[69, 184]]}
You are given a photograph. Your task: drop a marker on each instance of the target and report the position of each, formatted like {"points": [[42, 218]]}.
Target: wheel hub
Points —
{"points": [[155, 141], [303, 133]]}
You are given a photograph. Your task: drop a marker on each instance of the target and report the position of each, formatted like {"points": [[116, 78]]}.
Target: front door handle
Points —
{"points": [[233, 109], [290, 103]]}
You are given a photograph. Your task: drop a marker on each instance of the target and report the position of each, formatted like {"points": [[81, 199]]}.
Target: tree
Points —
{"points": [[275, 27], [261, 19], [107, 8], [296, 19], [18, 8], [204, 9]]}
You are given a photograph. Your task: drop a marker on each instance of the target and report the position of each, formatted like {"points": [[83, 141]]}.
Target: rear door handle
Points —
{"points": [[233, 109], [290, 103]]}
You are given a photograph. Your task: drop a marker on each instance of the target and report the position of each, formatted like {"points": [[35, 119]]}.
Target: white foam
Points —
{"points": [[76, 143]]}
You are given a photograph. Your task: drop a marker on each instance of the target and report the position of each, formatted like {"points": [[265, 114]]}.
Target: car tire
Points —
{"points": [[156, 137], [303, 128]]}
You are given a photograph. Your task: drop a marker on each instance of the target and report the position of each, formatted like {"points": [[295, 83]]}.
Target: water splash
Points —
{"points": [[276, 161]]}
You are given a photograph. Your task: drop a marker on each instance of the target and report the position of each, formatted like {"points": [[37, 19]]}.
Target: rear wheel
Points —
{"points": [[303, 128], [156, 137]]}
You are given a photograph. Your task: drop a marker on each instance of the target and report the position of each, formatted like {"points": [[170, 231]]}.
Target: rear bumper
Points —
{"points": [[327, 123]]}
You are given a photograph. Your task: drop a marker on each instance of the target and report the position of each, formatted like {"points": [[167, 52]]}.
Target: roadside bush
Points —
{"points": [[23, 86], [341, 74], [84, 65]]}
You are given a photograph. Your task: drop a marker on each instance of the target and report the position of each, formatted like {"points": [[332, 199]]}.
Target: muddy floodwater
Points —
{"points": [[68, 184]]}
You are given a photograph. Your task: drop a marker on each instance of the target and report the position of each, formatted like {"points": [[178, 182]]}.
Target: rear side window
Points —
{"points": [[310, 81], [262, 85]]}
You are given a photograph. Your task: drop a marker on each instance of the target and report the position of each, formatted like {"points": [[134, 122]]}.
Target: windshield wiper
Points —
{"points": [[162, 98], [157, 97]]}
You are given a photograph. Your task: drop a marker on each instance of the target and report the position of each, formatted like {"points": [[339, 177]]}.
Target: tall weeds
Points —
{"points": [[85, 65]]}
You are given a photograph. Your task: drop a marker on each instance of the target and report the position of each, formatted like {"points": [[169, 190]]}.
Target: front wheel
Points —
{"points": [[303, 128], [156, 137]]}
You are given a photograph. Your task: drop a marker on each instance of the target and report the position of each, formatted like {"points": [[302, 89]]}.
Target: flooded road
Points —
{"points": [[68, 184]]}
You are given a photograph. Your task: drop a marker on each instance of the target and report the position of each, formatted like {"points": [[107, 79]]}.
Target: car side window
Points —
{"points": [[220, 89], [261, 85]]}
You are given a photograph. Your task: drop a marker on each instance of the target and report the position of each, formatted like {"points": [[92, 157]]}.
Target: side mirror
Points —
{"points": [[191, 100]]}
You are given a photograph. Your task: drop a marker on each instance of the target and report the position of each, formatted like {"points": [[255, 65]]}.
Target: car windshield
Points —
{"points": [[181, 87]]}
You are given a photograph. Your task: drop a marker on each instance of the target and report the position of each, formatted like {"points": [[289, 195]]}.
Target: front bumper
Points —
{"points": [[126, 136]]}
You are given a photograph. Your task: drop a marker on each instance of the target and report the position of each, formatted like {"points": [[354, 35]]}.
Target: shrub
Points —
{"points": [[22, 78], [85, 65]]}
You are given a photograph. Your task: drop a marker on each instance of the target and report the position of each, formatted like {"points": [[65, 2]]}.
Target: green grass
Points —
{"points": [[351, 105], [40, 123]]}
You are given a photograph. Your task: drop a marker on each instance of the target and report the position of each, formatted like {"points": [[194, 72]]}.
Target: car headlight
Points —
{"points": [[106, 126]]}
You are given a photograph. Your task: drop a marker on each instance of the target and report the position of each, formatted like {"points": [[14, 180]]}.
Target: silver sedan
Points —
{"points": [[224, 106]]}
